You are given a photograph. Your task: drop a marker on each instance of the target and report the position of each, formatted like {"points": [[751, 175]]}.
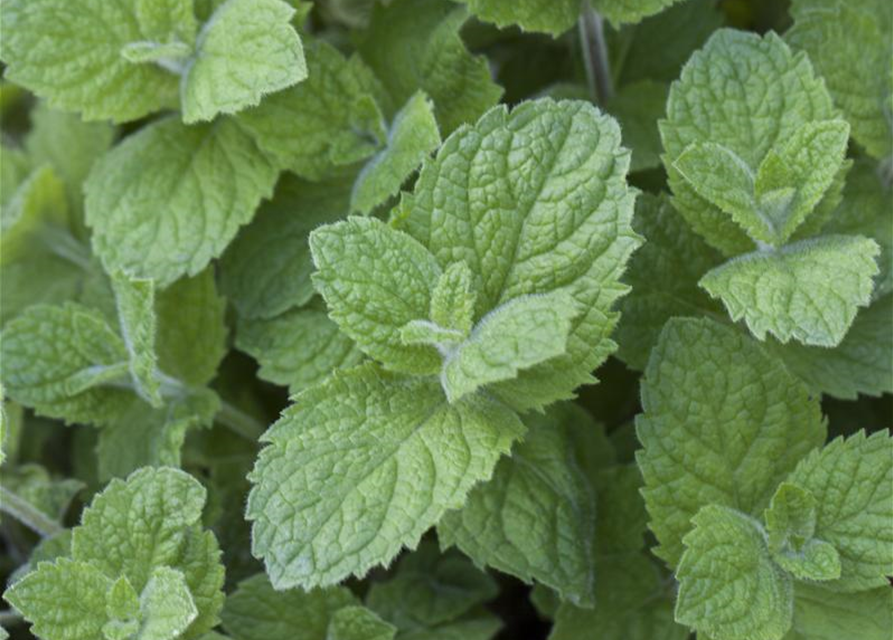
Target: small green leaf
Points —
{"points": [[852, 481], [403, 435], [247, 49], [122, 606], [412, 136], [375, 279], [729, 587], [169, 198], [810, 290], [135, 299], [328, 121], [724, 423], [64, 600], [454, 298], [166, 606], [523, 332]]}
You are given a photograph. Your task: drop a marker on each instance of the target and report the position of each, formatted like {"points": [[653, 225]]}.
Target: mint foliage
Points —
{"points": [[446, 320]]}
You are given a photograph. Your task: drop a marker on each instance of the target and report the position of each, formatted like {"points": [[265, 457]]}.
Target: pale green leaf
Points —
{"points": [[169, 198], [64, 600], [135, 300], [857, 69], [153, 520], [430, 590], [403, 437], [861, 363], [411, 137], [533, 201], [122, 606], [453, 299], [852, 481], [810, 290], [723, 423], [329, 120], [55, 359], [256, 611], [297, 349], [775, 92], [415, 44], [359, 623], [790, 524], [820, 614], [663, 275], [166, 606], [517, 335], [535, 518], [247, 49], [36, 207], [729, 587], [266, 270], [191, 338], [375, 279], [81, 68]]}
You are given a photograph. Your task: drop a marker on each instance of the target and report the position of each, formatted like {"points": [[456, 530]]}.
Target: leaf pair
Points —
{"points": [[140, 566], [124, 60], [727, 433]]}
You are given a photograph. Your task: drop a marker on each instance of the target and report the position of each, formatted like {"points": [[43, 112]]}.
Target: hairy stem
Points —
{"points": [[595, 55], [239, 422], [24, 512]]}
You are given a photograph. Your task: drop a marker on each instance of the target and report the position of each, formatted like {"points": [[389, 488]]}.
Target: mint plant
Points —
{"points": [[437, 319]]}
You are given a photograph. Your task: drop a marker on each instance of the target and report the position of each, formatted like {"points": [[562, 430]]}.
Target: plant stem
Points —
{"points": [[239, 422], [24, 512], [595, 55]]}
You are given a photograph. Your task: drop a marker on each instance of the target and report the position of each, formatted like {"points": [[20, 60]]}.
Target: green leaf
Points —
{"points": [[548, 16], [663, 275], [453, 299], [359, 623], [135, 299], [330, 120], [820, 614], [790, 523], [724, 423], [169, 198], [857, 69], [64, 600], [430, 591], [637, 108], [415, 45], [405, 438], [534, 201], [256, 611], [37, 206], [57, 357], [628, 11], [728, 585], [810, 290], [805, 166], [266, 270], [852, 481], [166, 606], [775, 92], [375, 279], [153, 520], [412, 136], [522, 333], [122, 607], [297, 349], [535, 519], [247, 49], [191, 337], [81, 68], [861, 363]]}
